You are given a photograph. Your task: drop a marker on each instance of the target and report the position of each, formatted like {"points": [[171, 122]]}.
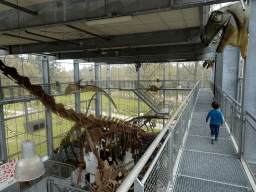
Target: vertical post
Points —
{"points": [[77, 95], [138, 97], [171, 140], [109, 91], [3, 149], [248, 94], [164, 91], [138, 186], [202, 85], [76, 79], [48, 114], [97, 81]]}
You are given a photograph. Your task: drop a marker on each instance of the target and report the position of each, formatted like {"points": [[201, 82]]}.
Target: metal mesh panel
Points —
{"points": [[177, 139], [160, 174], [54, 187], [185, 184], [221, 168], [236, 124], [250, 148]]}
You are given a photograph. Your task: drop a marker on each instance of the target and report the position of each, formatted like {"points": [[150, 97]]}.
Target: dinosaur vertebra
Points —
{"points": [[233, 25], [95, 129]]}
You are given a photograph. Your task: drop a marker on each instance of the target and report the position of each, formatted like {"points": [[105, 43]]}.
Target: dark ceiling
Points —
{"points": [[145, 30]]}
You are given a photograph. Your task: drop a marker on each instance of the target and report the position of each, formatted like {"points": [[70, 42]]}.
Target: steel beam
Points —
{"points": [[3, 2], [141, 59], [69, 12], [3, 147], [48, 114], [98, 96], [167, 37], [26, 38], [247, 143], [87, 32], [76, 79], [191, 52], [157, 50]]}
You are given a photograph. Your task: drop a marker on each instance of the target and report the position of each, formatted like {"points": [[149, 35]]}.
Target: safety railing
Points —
{"points": [[231, 111], [62, 171], [249, 142], [52, 187], [15, 93], [159, 175]]}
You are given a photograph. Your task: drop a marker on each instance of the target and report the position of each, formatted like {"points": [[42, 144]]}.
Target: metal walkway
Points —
{"points": [[205, 167]]}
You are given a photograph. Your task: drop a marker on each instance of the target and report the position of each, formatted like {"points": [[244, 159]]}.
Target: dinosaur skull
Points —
{"points": [[229, 26]]}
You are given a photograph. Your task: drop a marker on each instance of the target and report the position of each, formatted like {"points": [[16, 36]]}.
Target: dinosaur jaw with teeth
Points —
{"points": [[218, 37]]}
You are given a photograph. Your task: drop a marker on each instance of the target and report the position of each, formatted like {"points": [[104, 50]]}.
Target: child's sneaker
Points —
{"points": [[216, 139], [212, 142]]}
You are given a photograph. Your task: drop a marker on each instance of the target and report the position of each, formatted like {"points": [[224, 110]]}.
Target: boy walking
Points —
{"points": [[216, 120]]}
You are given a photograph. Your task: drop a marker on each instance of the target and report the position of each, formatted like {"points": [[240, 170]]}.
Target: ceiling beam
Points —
{"points": [[58, 13], [144, 59], [168, 37], [3, 2], [87, 32], [188, 51], [26, 38]]}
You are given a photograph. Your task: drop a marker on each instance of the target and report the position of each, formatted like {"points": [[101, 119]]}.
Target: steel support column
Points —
{"points": [[76, 79], [231, 59], [164, 92], [109, 91], [249, 88], [3, 149], [48, 114], [219, 70], [77, 95], [97, 79], [227, 70], [138, 97]]}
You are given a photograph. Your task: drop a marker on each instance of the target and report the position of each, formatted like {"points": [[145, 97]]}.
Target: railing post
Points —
{"points": [[232, 118], [138, 186], [171, 155], [181, 126]]}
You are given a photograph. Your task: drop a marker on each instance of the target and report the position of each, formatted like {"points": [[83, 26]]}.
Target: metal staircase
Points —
{"points": [[156, 105]]}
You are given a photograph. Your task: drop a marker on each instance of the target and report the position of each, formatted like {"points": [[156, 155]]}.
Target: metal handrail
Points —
{"points": [[251, 115], [129, 180], [59, 186], [239, 104]]}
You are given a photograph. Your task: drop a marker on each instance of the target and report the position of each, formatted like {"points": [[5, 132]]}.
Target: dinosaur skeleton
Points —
{"points": [[154, 88], [94, 131]]}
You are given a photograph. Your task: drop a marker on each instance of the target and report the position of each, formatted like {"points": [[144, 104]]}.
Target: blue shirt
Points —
{"points": [[216, 117]]}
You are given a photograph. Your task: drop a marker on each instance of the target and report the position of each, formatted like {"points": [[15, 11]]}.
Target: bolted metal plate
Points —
{"points": [[221, 168], [185, 184]]}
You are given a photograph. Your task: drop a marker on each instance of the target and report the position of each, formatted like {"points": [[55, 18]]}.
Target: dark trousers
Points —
{"points": [[215, 129]]}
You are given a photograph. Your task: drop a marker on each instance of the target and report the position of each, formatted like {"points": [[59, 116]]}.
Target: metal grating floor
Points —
{"points": [[186, 184], [205, 167]]}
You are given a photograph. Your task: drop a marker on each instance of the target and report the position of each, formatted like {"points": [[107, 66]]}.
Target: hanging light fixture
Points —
{"points": [[30, 166]]}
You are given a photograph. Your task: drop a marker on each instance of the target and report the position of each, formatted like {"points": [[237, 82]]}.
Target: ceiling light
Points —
{"points": [[109, 20], [30, 166]]}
